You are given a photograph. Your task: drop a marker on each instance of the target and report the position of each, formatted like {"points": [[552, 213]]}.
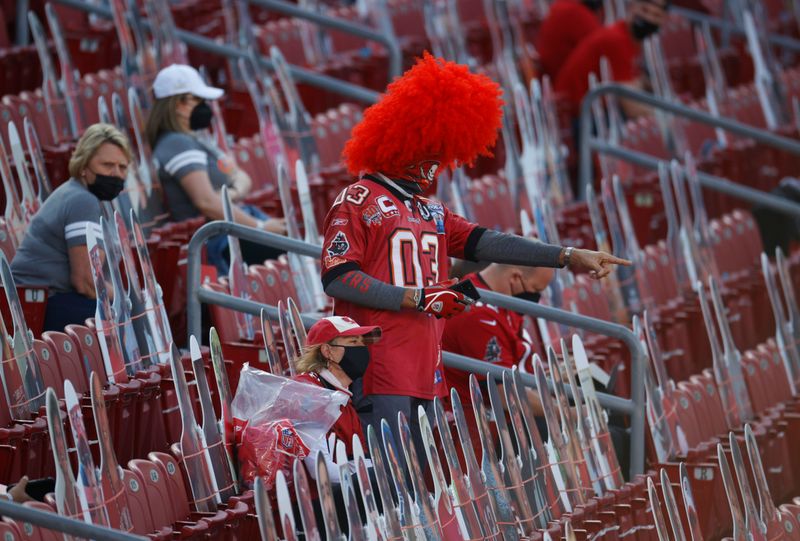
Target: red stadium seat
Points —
{"points": [[167, 508], [70, 363], [49, 365]]}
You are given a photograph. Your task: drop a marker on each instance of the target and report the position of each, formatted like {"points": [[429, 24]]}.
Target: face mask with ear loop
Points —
{"points": [[201, 116], [525, 295], [355, 360], [532, 296], [106, 187]]}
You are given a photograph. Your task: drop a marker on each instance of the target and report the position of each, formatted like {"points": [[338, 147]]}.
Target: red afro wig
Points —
{"points": [[436, 110]]}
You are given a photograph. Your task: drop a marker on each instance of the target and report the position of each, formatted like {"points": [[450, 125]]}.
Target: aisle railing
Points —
{"points": [[28, 516], [590, 143], [301, 75]]}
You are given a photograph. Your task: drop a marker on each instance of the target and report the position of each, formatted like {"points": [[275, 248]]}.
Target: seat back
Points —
{"points": [[36, 533], [138, 503], [169, 466], [69, 360], [10, 531], [160, 499], [85, 341], [48, 364]]}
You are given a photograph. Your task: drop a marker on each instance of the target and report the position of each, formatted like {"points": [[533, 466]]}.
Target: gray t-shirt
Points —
{"points": [[178, 154], [42, 258]]}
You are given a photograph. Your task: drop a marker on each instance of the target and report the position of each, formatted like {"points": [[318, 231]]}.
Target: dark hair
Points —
{"points": [[163, 118]]}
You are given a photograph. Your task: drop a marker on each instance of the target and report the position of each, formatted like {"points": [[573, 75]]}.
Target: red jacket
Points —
{"points": [[495, 335], [348, 422], [566, 24], [614, 42]]}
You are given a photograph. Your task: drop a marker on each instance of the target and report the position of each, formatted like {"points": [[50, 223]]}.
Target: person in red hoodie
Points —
{"points": [[566, 24], [620, 43], [334, 357], [492, 334]]}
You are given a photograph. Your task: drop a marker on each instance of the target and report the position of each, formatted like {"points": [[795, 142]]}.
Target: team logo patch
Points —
{"points": [[372, 215], [437, 377], [437, 212], [428, 169], [225, 165], [493, 351], [339, 222], [436, 208], [287, 438], [339, 245]]}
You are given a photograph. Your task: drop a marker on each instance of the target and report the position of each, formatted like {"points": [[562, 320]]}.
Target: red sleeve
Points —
{"points": [[621, 57], [462, 235], [345, 239], [480, 334]]}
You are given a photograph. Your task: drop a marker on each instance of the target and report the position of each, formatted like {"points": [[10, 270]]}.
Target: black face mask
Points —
{"points": [[106, 187], [355, 361], [642, 29], [532, 296], [594, 5], [201, 116]]}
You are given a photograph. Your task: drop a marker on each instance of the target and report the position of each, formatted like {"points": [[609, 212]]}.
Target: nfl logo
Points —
{"points": [[287, 438]]}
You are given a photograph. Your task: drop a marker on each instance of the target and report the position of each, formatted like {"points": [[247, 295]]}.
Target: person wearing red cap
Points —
{"points": [[387, 247], [334, 357]]}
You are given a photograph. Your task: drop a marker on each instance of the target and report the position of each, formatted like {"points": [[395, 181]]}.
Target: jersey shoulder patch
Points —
{"points": [[339, 245], [493, 351]]}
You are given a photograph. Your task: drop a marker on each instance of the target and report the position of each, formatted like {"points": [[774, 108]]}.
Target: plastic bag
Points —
{"points": [[277, 419]]}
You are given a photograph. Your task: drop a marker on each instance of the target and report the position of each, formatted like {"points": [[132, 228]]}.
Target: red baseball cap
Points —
{"points": [[328, 328]]}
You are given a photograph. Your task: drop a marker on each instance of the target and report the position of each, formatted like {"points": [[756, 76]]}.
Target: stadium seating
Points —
{"points": [[143, 411]]}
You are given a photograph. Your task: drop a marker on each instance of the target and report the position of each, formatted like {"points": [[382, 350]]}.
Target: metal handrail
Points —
{"points": [[713, 182], [695, 16], [203, 43], [58, 523], [588, 143], [634, 407], [360, 30], [452, 360]]}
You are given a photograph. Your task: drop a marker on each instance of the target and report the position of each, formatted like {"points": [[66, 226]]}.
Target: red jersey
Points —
{"points": [[486, 332], [348, 422], [567, 23], [405, 240], [614, 42]]}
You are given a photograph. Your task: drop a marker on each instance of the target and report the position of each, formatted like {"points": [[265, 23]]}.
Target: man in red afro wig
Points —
{"points": [[387, 249], [437, 114]]}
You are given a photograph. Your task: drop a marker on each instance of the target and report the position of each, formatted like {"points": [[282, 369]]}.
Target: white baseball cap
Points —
{"points": [[182, 79]]}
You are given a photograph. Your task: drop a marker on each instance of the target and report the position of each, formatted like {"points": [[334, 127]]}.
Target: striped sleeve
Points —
{"points": [[185, 162], [180, 154], [75, 233], [82, 210]]}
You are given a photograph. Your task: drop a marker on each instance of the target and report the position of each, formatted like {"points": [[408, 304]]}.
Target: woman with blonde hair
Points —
{"points": [[193, 169], [53, 252], [335, 356]]}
